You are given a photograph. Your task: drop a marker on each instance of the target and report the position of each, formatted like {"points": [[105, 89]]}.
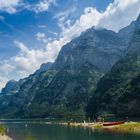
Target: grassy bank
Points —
{"points": [[131, 127]]}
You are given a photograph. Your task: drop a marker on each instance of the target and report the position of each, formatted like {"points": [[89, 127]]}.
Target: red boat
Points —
{"points": [[112, 123]]}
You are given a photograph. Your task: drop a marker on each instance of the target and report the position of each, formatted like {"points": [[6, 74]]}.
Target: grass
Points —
{"points": [[129, 127], [2, 130], [98, 126]]}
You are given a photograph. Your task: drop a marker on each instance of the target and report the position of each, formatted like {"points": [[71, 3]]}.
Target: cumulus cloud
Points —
{"points": [[117, 15], [120, 14], [27, 60]]}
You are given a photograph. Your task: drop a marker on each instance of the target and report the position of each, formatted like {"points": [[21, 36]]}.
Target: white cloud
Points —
{"points": [[26, 61], [3, 81], [63, 15], [42, 26], [117, 15], [42, 6], [120, 14], [9, 5], [49, 31], [6, 68], [41, 37], [54, 33]]}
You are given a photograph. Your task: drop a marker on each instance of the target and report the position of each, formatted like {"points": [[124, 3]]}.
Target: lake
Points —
{"points": [[19, 130]]}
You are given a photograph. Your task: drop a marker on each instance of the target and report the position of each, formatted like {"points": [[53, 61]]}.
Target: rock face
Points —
{"points": [[118, 92], [101, 48], [127, 32], [9, 88], [44, 67], [66, 87]]}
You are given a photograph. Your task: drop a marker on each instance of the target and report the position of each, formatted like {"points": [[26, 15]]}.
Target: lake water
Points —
{"points": [[42, 131]]}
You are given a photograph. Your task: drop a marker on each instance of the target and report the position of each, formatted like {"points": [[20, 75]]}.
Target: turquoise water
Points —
{"points": [[42, 131]]}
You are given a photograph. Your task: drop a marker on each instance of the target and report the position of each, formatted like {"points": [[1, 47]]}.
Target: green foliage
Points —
{"points": [[2, 130], [67, 94]]}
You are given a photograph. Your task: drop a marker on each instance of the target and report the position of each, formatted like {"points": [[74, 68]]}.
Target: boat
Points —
{"points": [[112, 123]]}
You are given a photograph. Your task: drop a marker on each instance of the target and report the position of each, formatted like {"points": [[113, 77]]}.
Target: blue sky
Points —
{"points": [[25, 24], [33, 31]]}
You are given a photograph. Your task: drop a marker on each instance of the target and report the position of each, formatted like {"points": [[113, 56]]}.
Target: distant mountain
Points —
{"points": [[66, 87], [118, 92]]}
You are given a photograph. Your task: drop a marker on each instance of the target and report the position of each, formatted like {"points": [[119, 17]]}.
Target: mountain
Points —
{"points": [[9, 87], [13, 87], [118, 91], [44, 67], [66, 87], [76, 71], [127, 32], [93, 46], [17, 91]]}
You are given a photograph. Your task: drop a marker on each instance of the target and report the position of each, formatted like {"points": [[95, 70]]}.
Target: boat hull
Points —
{"points": [[112, 123]]}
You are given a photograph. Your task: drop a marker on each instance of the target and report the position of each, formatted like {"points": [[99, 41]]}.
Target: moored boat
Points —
{"points": [[112, 123]]}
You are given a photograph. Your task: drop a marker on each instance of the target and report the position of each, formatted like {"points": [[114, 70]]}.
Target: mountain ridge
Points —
{"points": [[118, 91], [66, 87]]}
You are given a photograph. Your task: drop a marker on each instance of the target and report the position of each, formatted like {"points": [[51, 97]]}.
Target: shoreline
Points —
{"points": [[127, 127]]}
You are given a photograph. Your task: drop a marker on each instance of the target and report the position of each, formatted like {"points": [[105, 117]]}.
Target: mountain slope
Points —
{"points": [[118, 91], [9, 88], [75, 73], [16, 93], [66, 87]]}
